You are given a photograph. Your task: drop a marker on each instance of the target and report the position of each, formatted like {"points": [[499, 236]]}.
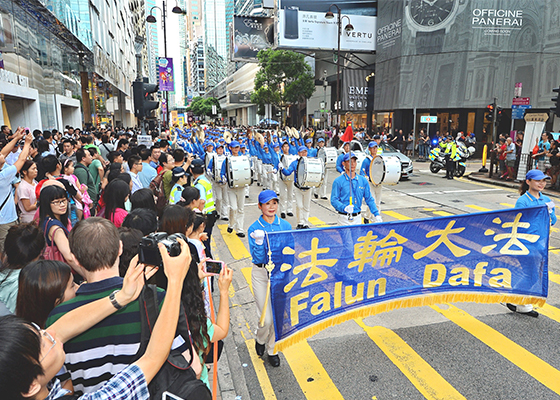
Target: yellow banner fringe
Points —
{"points": [[418, 301]]}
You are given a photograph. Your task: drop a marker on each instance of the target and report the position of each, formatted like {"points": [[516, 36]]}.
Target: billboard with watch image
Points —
{"points": [[304, 25]]}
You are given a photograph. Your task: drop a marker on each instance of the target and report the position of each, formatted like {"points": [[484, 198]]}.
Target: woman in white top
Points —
{"points": [[27, 201]]}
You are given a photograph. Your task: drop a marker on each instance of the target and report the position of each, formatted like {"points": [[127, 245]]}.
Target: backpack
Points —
{"points": [[176, 375], [156, 186]]}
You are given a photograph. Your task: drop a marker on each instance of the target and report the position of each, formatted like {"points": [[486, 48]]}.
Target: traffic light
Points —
{"points": [[556, 108], [490, 112], [143, 100], [499, 111]]}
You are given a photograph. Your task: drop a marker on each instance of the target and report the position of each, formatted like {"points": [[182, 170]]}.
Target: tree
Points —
{"points": [[284, 79], [201, 106]]}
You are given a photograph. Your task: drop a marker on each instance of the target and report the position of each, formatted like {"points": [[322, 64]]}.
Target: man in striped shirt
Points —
{"points": [[96, 355]]}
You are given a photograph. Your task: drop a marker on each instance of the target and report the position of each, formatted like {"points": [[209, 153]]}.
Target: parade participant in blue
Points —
{"points": [[376, 189], [323, 189], [275, 156], [243, 151], [303, 195], [236, 196], [293, 146], [265, 254], [220, 185], [345, 150], [267, 168], [531, 196], [311, 151], [286, 188], [348, 192]]}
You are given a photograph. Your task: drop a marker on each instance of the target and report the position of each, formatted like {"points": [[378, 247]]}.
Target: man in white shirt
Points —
{"points": [[135, 166]]}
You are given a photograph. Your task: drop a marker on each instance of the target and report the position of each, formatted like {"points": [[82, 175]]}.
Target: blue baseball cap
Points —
{"points": [[372, 144], [309, 141], [234, 143], [320, 140], [243, 146], [301, 148], [536, 175], [220, 145], [275, 144], [347, 156], [266, 195]]}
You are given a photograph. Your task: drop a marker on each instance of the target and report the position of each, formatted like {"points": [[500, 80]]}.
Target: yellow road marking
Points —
{"points": [[507, 205], [310, 374], [262, 376], [554, 277], [519, 356], [478, 208], [429, 209], [419, 372], [234, 244], [443, 213], [549, 311], [396, 215], [247, 274], [317, 222]]}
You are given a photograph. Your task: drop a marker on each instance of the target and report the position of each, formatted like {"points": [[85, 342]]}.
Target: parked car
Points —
{"points": [[388, 150]]}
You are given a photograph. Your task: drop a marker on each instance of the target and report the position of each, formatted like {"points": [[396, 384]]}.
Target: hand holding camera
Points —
{"points": [[176, 267]]}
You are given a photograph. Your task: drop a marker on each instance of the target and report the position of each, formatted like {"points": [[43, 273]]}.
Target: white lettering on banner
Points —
{"points": [[492, 17], [13, 78]]}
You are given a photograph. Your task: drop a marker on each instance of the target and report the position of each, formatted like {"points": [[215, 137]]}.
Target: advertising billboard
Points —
{"points": [[459, 53], [354, 90], [302, 25], [165, 72], [251, 34]]}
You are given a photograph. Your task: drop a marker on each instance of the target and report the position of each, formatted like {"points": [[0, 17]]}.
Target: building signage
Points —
{"points": [[13, 78], [242, 97], [518, 111], [427, 119], [536, 117], [355, 90], [497, 21], [251, 34], [165, 71], [388, 34], [302, 24], [521, 101]]}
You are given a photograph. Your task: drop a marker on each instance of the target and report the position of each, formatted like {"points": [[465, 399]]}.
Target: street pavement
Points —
{"points": [[449, 351]]}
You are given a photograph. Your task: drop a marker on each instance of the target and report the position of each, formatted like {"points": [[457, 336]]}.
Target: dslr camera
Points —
{"points": [[148, 249]]}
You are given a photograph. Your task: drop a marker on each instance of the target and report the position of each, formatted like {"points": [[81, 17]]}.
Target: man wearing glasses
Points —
{"points": [[135, 166]]}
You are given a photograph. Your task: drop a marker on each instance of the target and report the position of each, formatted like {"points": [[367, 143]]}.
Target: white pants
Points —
{"points": [[265, 334], [236, 208], [324, 186], [303, 203], [258, 171], [376, 193], [275, 178], [267, 176], [345, 220], [221, 197], [286, 196], [247, 191]]}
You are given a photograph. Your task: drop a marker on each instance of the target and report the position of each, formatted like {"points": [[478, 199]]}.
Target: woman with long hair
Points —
{"points": [[55, 223], [115, 196], [177, 219], [143, 198], [27, 200], [43, 285]]}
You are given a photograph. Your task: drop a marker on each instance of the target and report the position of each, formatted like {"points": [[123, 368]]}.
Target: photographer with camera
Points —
{"points": [[112, 345]]}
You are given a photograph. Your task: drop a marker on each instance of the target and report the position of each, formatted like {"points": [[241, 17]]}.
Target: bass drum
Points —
{"points": [[310, 173], [328, 155], [218, 161], [385, 170], [238, 171], [287, 160], [361, 158]]}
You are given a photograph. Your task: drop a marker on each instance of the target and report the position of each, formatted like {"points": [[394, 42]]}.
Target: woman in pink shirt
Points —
{"points": [[117, 202], [27, 200]]}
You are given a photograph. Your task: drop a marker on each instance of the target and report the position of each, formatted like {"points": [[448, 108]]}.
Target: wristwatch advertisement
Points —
{"points": [[430, 20]]}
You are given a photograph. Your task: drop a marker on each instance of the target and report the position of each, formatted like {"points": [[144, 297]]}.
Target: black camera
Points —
{"points": [[148, 249]]}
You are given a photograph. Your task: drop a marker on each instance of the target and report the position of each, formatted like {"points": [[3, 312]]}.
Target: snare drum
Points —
{"points": [[238, 171], [218, 161], [385, 169], [287, 160], [328, 155], [310, 173]]}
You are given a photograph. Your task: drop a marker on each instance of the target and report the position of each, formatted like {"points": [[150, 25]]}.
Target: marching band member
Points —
{"points": [[219, 186], [348, 192], [323, 189], [376, 189], [243, 152], [266, 158], [275, 156], [345, 150], [311, 151], [303, 195], [260, 246], [286, 189], [236, 196]]}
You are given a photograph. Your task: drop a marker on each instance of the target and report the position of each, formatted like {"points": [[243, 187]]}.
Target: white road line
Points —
{"points": [[454, 191]]}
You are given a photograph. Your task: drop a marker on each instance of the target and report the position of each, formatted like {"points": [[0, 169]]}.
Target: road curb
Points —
{"points": [[483, 178]]}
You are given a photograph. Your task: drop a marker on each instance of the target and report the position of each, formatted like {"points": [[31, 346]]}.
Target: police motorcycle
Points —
{"points": [[463, 152], [437, 158]]}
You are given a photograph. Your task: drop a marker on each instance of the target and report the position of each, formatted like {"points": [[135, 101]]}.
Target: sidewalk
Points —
{"points": [[483, 177]]}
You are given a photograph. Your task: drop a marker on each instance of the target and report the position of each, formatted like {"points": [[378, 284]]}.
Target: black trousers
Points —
{"points": [[449, 167], [210, 221]]}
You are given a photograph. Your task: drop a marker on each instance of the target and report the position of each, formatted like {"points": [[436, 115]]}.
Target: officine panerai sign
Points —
{"points": [[354, 90]]}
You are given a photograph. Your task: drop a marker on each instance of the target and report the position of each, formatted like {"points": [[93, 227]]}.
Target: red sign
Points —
{"points": [[521, 101]]}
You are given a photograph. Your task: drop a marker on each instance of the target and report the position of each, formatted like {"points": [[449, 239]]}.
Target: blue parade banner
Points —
{"points": [[327, 276]]}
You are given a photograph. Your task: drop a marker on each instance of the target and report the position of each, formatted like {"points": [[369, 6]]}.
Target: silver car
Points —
{"points": [[388, 150]]}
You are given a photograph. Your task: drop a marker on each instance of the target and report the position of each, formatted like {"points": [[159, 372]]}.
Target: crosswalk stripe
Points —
{"points": [[550, 312], [507, 348], [554, 277], [262, 376], [234, 244], [443, 213], [421, 374], [478, 208], [396, 215], [317, 222], [310, 373], [507, 205]]}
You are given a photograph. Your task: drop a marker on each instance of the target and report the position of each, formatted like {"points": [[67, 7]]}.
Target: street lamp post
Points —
{"points": [[347, 28], [151, 19]]}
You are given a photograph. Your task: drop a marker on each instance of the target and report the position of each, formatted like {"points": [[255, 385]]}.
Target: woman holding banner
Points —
{"points": [[264, 253], [531, 196]]}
